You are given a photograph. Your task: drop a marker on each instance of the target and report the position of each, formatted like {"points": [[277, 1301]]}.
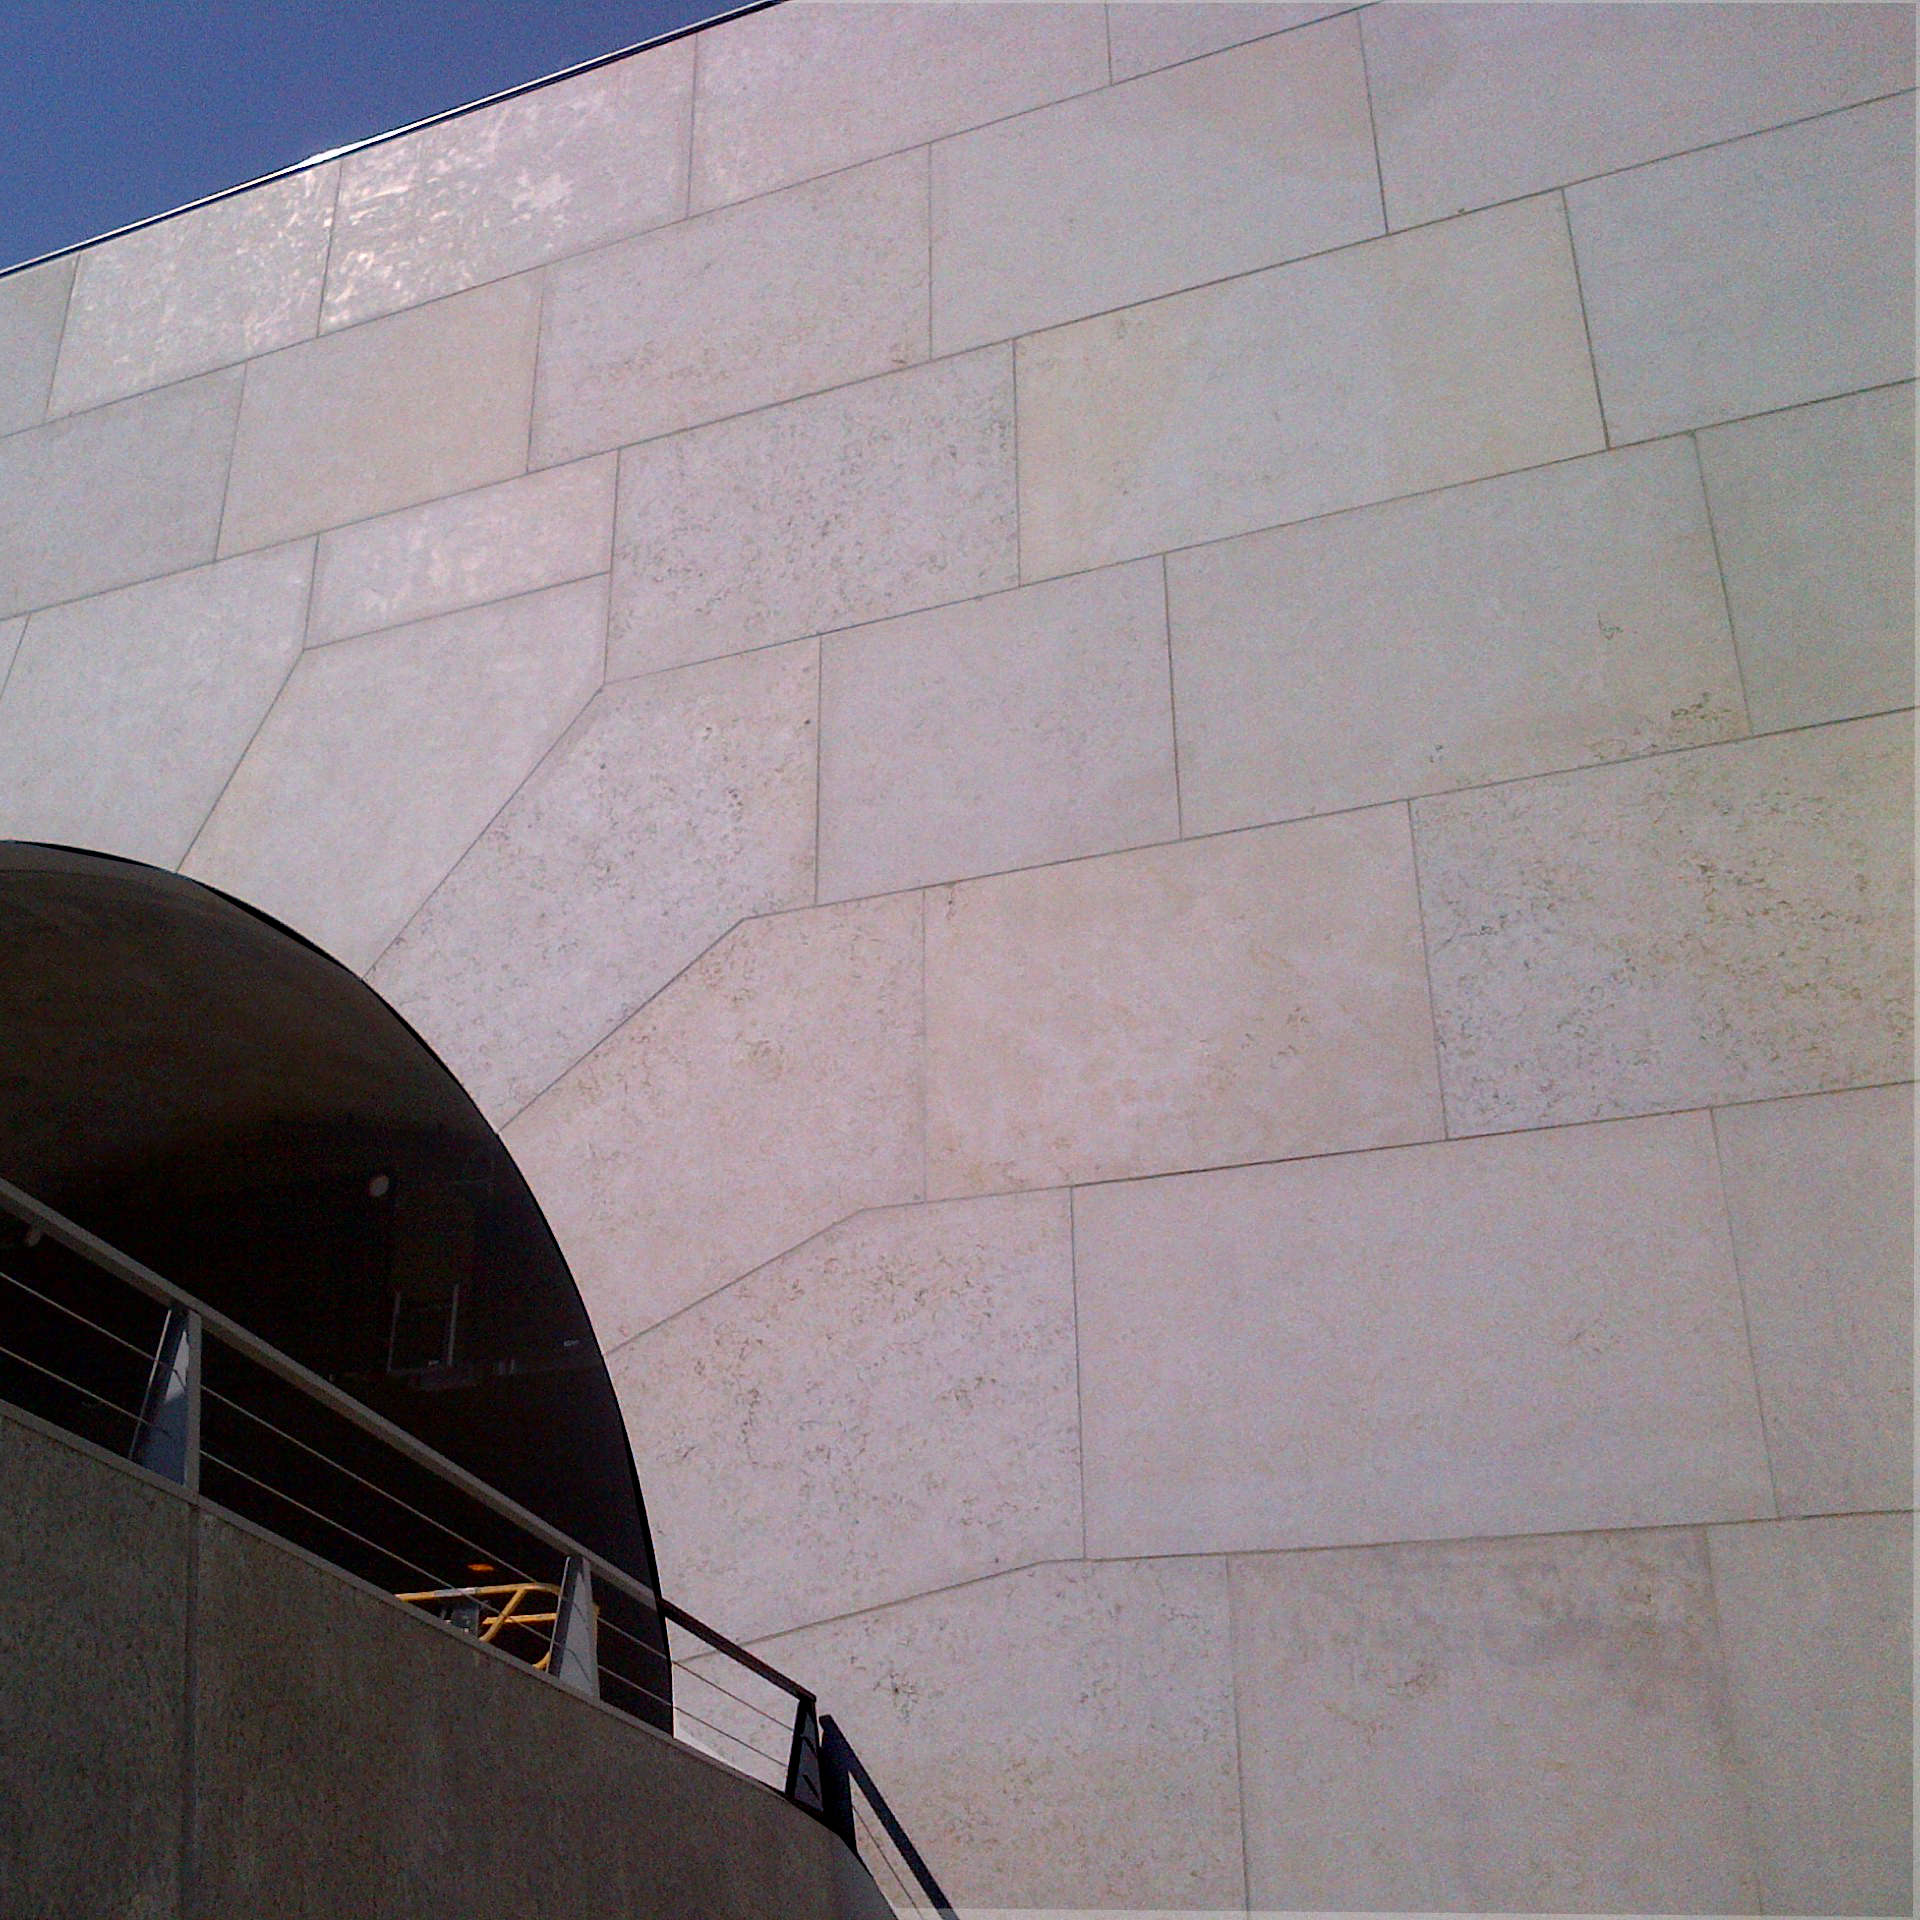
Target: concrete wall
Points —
{"points": [[198, 1723], [1158, 759]]}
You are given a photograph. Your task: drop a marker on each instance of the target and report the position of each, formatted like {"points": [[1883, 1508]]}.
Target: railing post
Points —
{"points": [[804, 1780], [575, 1660], [167, 1441]]}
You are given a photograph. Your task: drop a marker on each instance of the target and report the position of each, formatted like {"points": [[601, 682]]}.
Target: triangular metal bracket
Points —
{"points": [[803, 1760], [167, 1441], [575, 1661]]}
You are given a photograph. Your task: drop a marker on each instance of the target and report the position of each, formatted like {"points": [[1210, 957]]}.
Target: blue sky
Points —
{"points": [[111, 112]]}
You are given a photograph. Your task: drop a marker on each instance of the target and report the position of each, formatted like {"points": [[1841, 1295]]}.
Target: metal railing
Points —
{"points": [[129, 1361]]}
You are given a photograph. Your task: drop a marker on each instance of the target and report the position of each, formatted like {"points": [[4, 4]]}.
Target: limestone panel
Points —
{"points": [[1814, 513], [125, 714], [1518, 1726], [384, 757], [1059, 1738], [1817, 1620], [1820, 1192], [894, 494], [387, 415], [197, 291], [33, 308], [1249, 997], [811, 288], [1726, 924], [1407, 363], [10, 635], [1213, 168], [1756, 275], [677, 805], [94, 1596], [116, 495], [1484, 103], [772, 1090], [1146, 34], [1517, 625], [555, 171], [1529, 1334], [538, 531], [1026, 727], [886, 1410], [811, 89]]}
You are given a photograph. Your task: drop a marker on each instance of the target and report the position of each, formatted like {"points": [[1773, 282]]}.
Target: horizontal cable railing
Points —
{"points": [[102, 1347]]}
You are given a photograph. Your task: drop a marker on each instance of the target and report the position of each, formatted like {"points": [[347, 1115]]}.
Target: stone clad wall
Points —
{"points": [[1158, 759]]}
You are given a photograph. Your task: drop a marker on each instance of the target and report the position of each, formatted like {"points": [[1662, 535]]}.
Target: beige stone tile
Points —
{"points": [[1244, 998], [387, 415], [812, 288], [1146, 34], [1407, 363], [807, 89], [677, 805], [1814, 513], [1027, 727], [887, 1410], [1817, 1620], [116, 495], [1502, 1725], [1528, 1334], [1760, 274], [516, 537], [1484, 103], [551, 172], [33, 308], [771, 1090], [893, 494], [1820, 1192], [199, 290], [1541, 620], [385, 756], [1726, 924], [1216, 167], [1056, 1738], [125, 714]]}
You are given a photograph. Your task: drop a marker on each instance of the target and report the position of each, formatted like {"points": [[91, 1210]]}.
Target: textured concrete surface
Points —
{"points": [[772, 1090], [1517, 1726], [125, 714], [519, 536], [1013, 731], [676, 806], [817, 88], [1813, 510], [1759, 274], [123, 493], [1819, 1195], [810, 288], [385, 757], [1382, 369], [1243, 998], [873, 500], [1724, 924], [93, 1632], [1816, 1617], [1484, 103], [387, 415], [1212, 168], [1099, 1773], [488, 194], [1545, 620], [1143, 35], [33, 308], [220, 284], [1527, 1334], [904, 1414]]}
